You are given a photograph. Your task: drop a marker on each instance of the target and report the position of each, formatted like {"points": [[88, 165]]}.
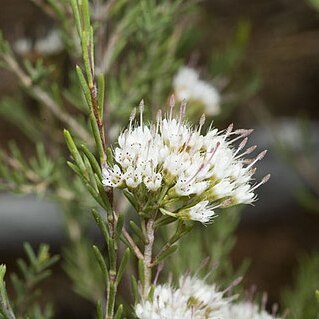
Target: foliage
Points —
{"points": [[301, 300], [27, 293]]}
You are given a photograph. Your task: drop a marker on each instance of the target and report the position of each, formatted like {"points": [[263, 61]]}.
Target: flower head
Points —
{"points": [[183, 172], [189, 87], [192, 299]]}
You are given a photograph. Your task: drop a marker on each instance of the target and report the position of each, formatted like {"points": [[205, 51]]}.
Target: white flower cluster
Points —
{"points": [[194, 299], [180, 170], [188, 87]]}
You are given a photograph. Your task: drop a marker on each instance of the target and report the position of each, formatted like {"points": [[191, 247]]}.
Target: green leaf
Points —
{"points": [[102, 263], [74, 151], [169, 251], [164, 220], [141, 271], [96, 195], [2, 271], [119, 312], [119, 226], [77, 171], [95, 165], [104, 197], [137, 231], [134, 287], [30, 253], [112, 254], [131, 199], [85, 10], [84, 86], [101, 92], [109, 156], [101, 224], [86, 59], [99, 310], [123, 265], [90, 173], [97, 137], [76, 14]]}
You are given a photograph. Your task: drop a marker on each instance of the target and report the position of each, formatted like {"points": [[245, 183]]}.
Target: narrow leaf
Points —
{"points": [[165, 254], [76, 15], [123, 265], [74, 151], [101, 92], [94, 163], [84, 86], [101, 224], [119, 226], [97, 137], [134, 287], [137, 231], [102, 263], [119, 312], [99, 310]]}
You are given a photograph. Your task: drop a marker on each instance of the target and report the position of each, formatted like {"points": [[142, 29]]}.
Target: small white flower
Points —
{"points": [[112, 178], [201, 212], [188, 173], [188, 87]]}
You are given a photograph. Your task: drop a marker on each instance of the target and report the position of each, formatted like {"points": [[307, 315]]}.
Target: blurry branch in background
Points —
{"points": [[29, 125], [225, 65], [26, 301], [80, 265], [29, 82], [32, 176]]}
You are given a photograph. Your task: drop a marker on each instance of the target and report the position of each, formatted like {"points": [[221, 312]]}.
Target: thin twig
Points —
{"points": [[130, 240], [148, 257], [46, 100], [109, 50]]}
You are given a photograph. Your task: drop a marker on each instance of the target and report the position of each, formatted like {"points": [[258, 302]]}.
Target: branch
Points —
{"points": [[45, 99], [130, 240]]}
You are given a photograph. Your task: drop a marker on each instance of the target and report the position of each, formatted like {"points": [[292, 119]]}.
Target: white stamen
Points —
{"points": [[141, 108]]}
